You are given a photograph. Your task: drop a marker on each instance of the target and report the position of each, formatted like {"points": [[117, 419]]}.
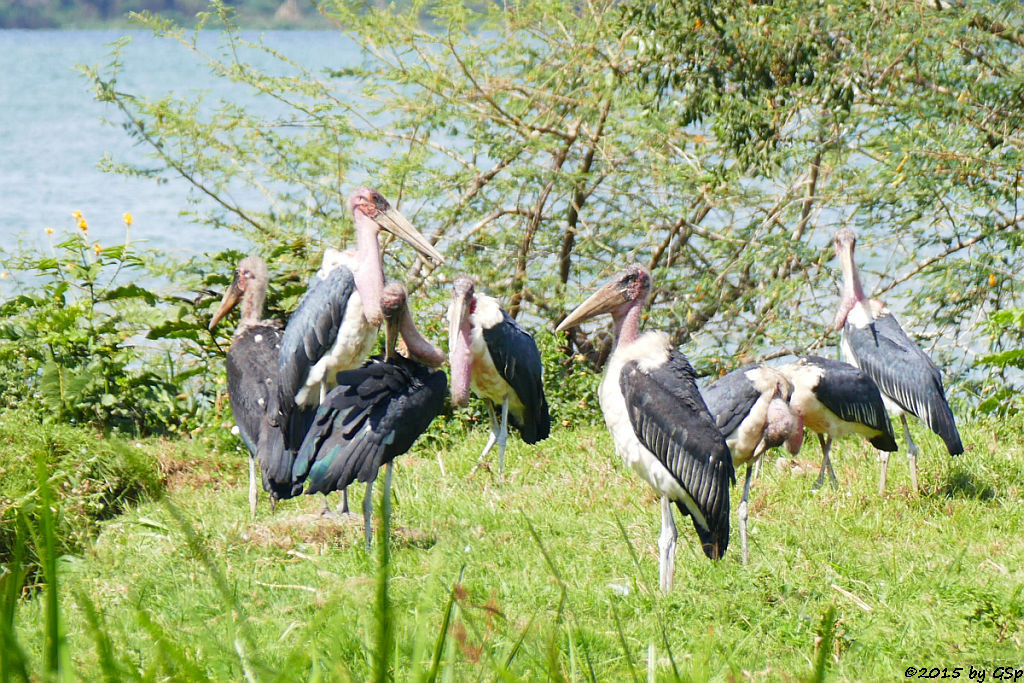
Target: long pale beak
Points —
{"points": [[399, 226], [231, 298], [604, 300], [392, 323]]}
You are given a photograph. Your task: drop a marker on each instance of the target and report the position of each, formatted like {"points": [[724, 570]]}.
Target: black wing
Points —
{"points": [[730, 398], [375, 414], [312, 329], [905, 374], [251, 364], [853, 396], [517, 360], [671, 419]]}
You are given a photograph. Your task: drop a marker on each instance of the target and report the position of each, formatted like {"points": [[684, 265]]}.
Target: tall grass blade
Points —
{"points": [[175, 662], [57, 657], [104, 648], [385, 618], [661, 622], [442, 636], [826, 633], [625, 647], [12, 658]]}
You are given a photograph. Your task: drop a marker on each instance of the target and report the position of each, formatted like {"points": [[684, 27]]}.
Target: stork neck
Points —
{"points": [[627, 321], [419, 347], [369, 274], [252, 304], [852, 292]]}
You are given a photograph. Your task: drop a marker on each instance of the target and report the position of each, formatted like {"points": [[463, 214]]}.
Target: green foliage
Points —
{"points": [[91, 479], [72, 339], [1001, 396]]}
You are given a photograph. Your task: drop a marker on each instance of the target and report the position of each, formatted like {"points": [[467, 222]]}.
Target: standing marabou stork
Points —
{"points": [[659, 421], [375, 413], [751, 409], [335, 325], [252, 377], [873, 340], [491, 353], [834, 399]]}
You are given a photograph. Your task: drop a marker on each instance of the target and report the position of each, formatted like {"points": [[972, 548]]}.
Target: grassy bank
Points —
{"points": [[553, 573]]}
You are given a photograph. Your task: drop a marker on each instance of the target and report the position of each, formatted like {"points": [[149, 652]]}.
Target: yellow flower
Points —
{"points": [[82, 225], [4, 275], [127, 219], [97, 248], [49, 231], [991, 279], [77, 215]]}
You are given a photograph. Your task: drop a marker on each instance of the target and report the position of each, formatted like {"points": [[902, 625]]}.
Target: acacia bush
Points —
{"points": [[544, 144]]}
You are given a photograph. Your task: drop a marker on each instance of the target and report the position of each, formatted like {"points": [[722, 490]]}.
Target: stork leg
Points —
{"points": [[911, 452], [826, 464], [493, 439], [503, 436], [667, 546], [343, 505], [252, 486], [367, 515], [741, 512], [883, 459]]}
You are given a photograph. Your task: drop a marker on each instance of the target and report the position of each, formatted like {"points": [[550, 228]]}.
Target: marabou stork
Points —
{"points": [[335, 325], [751, 409], [375, 413], [491, 353], [834, 399], [658, 420], [873, 340], [252, 378]]}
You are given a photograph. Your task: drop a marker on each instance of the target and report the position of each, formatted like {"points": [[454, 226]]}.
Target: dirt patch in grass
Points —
{"points": [[315, 529]]}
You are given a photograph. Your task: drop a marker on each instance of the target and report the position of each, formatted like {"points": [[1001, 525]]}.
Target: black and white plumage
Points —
{"points": [[873, 340], [658, 420], [335, 325], [492, 354], [374, 414], [751, 409], [251, 363], [835, 399]]}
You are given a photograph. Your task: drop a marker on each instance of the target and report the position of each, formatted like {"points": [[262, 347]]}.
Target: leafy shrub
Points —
{"points": [[93, 478], [1001, 392]]}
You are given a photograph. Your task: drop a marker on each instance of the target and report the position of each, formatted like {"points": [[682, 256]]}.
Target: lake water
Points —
{"points": [[52, 133]]}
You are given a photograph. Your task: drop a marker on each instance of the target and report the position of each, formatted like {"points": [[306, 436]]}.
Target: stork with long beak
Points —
{"points": [[873, 340], [335, 325], [251, 363], [375, 413], [658, 420], [492, 354]]}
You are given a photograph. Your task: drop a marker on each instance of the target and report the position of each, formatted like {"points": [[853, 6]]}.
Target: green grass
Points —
{"points": [[523, 579]]}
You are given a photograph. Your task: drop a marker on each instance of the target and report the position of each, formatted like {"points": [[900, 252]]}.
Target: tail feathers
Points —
{"points": [[714, 541], [275, 462], [535, 427], [939, 419], [884, 442]]}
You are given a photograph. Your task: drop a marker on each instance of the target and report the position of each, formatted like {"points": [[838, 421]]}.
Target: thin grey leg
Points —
{"points": [[667, 546], [343, 505], [503, 436], [368, 515], [826, 463], [911, 452], [741, 512], [252, 486], [494, 430]]}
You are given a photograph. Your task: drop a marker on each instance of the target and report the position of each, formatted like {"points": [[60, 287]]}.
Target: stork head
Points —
{"points": [[370, 209], [393, 308], [845, 241], [781, 423], [249, 287], [627, 289]]}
